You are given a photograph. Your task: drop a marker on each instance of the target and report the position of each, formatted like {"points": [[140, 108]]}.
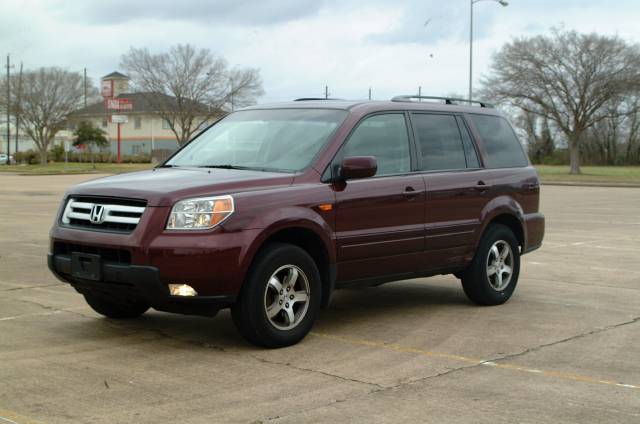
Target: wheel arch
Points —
{"points": [[505, 211], [310, 238], [513, 223]]}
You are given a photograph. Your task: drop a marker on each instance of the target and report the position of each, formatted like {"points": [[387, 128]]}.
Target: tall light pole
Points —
{"points": [[503, 3]]}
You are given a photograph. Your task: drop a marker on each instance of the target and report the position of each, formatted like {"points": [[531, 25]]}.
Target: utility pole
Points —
{"points": [[18, 107], [419, 93], [369, 93], [85, 87], [326, 91], [8, 110]]}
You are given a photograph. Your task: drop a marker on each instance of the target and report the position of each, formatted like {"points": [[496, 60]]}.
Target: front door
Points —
{"points": [[380, 220]]}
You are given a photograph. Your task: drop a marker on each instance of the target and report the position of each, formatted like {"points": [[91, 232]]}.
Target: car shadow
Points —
{"points": [[365, 306]]}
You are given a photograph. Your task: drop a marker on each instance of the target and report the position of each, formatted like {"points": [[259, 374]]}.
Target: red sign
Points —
{"points": [[119, 104]]}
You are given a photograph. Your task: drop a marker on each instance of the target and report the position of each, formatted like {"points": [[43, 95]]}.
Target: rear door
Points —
{"points": [[380, 220], [506, 157], [458, 188]]}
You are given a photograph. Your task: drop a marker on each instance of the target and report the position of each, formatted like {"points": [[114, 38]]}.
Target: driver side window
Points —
{"points": [[385, 137]]}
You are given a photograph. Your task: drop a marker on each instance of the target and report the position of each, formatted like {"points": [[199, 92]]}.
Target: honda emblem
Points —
{"points": [[97, 214]]}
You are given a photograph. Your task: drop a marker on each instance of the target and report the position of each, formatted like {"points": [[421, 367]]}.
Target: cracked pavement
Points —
{"points": [[564, 349]]}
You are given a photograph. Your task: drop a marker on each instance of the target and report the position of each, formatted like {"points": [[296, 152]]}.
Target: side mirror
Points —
{"points": [[358, 167]]}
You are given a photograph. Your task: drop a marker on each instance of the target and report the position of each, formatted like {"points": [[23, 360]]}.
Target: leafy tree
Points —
{"points": [[88, 135], [187, 86], [567, 78]]}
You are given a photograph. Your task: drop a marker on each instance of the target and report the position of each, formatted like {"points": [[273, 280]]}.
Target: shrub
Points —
{"points": [[57, 153], [29, 157], [138, 158]]}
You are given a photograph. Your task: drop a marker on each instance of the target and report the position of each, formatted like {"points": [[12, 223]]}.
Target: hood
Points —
{"points": [[165, 186]]}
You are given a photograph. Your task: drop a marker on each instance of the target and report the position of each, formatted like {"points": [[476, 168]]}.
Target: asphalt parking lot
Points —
{"points": [[564, 349]]}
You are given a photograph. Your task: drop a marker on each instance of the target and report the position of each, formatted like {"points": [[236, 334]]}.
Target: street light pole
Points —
{"points": [[471, 3], [503, 3]]}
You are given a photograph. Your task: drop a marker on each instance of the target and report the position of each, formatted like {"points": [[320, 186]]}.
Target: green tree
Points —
{"points": [[89, 136]]}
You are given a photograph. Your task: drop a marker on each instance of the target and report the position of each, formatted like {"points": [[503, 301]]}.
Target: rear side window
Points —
{"points": [[386, 138], [502, 145], [439, 142]]}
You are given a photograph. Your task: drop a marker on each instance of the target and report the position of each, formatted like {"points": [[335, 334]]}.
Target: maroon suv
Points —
{"points": [[273, 207]]}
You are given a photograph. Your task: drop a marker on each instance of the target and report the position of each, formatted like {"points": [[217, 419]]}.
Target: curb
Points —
{"points": [[589, 184]]}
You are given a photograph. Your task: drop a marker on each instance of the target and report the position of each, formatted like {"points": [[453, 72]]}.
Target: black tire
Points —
{"points": [[249, 312], [477, 285], [114, 309]]}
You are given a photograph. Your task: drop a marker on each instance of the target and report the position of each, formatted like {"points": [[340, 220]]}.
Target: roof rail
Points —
{"points": [[307, 99], [447, 100]]}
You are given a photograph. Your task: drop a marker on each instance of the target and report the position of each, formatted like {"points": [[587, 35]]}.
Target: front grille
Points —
{"points": [[119, 256], [103, 213]]}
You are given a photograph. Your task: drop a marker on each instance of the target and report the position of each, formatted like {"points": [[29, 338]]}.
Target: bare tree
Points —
{"points": [[539, 137], [633, 133], [47, 96], [566, 78], [186, 85]]}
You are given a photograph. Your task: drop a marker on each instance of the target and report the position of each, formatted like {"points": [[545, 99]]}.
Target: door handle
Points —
{"points": [[482, 186], [411, 193]]}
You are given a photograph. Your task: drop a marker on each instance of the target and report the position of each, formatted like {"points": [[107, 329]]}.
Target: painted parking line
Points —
{"points": [[10, 417], [36, 314], [43, 313], [475, 361]]}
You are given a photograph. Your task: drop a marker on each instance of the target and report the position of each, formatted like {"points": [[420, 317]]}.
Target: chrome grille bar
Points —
{"points": [[82, 212]]}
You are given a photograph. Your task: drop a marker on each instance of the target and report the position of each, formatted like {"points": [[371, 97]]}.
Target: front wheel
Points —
{"points": [[492, 276], [280, 298]]}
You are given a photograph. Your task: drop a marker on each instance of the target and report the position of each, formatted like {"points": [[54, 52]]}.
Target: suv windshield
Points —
{"points": [[284, 140]]}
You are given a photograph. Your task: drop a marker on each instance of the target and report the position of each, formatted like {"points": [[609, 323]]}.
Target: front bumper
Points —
{"points": [[125, 283], [213, 262]]}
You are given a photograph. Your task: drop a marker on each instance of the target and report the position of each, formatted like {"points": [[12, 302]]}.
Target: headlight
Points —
{"points": [[200, 214]]}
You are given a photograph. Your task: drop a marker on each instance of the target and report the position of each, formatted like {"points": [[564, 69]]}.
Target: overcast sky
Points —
{"points": [[301, 45]]}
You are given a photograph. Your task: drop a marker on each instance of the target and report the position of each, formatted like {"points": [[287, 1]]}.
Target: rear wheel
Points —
{"points": [[116, 309], [280, 298], [492, 276]]}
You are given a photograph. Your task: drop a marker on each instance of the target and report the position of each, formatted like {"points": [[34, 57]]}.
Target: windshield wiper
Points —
{"points": [[167, 166], [245, 168], [225, 166]]}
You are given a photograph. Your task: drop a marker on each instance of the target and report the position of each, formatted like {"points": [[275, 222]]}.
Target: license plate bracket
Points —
{"points": [[86, 266]]}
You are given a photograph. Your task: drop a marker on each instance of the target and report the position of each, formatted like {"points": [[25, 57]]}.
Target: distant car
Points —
{"points": [[3, 159], [273, 207]]}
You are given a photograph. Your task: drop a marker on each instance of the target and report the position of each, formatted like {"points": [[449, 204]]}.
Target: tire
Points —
{"points": [[261, 297], [487, 280], [114, 309]]}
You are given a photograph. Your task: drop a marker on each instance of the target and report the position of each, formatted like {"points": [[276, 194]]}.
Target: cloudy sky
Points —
{"points": [[301, 45]]}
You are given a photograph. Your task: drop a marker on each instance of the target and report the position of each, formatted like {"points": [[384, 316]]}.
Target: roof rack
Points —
{"points": [[447, 100], [308, 99]]}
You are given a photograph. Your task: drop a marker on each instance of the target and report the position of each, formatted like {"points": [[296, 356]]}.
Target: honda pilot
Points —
{"points": [[274, 207]]}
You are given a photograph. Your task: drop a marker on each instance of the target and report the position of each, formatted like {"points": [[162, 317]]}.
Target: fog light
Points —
{"points": [[182, 290]]}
